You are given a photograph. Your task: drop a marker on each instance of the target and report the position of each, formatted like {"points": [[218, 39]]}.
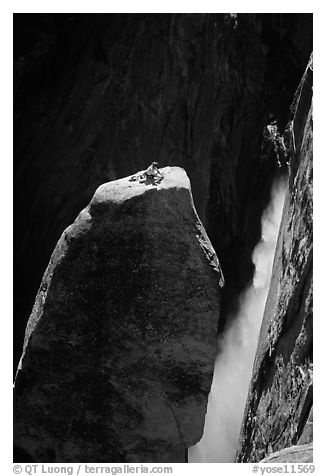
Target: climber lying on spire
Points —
{"points": [[152, 172]]}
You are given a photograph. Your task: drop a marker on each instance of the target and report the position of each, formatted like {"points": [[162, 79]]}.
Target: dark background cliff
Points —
{"points": [[98, 97]]}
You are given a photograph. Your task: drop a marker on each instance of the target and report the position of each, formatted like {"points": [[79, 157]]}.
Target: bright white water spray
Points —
{"points": [[233, 366]]}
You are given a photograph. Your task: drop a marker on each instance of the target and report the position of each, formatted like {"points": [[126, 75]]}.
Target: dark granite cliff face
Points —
{"points": [[279, 407], [120, 346], [100, 96]]}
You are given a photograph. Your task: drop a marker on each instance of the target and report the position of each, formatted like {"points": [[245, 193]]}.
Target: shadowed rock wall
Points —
{"points": [[98, 97]]}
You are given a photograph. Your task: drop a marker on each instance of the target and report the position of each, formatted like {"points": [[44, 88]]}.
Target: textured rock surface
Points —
{"points": [[280, 396], [100, 96], [307, 433], [120, 346], [295, 454]]}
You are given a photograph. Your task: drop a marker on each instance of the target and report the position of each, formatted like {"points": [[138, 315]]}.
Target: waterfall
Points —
{"points": [[237, 344]]}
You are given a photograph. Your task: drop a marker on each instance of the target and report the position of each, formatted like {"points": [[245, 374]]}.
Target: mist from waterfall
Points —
{"points": [[237, 344]]}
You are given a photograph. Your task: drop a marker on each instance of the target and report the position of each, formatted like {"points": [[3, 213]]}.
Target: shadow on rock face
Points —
{"points": [[21, 456]]}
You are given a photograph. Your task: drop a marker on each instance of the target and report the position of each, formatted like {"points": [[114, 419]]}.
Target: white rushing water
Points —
{"points": [[233, 366]]}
